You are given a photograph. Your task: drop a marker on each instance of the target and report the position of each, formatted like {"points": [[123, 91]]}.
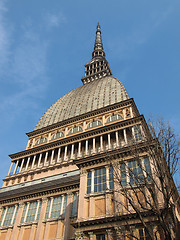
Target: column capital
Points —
{"points": [[21, 204], [83, 171], [44, 199], [79, 236]]}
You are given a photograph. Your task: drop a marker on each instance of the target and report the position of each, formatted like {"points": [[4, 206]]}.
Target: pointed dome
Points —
{"points": [[100, 89], [95, 95]]}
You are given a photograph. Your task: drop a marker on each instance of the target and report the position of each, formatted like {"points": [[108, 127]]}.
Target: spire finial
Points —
{"points": [[98, 67], [98, 42]]}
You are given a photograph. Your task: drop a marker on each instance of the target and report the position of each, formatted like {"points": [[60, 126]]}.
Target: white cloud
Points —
{"points": [[55, 19]]}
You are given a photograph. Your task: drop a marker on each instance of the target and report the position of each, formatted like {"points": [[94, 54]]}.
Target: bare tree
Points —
{"points": [[144, 187]]}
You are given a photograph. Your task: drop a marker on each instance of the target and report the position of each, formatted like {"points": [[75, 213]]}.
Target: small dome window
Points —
{"points": [[94, 124], [57, 135], [75, 130], [41, 140], [115, 117]]}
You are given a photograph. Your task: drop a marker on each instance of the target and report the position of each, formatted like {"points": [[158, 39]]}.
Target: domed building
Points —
{"points": [[64, 186]]}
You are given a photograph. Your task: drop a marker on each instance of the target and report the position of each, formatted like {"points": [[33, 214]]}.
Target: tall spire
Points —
{"points": [[98, 46], [98, 67]]}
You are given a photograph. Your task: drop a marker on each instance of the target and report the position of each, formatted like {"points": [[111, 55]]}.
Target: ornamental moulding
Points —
{"points": [[83, 116]]}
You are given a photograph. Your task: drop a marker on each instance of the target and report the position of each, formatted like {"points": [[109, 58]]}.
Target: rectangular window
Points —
{"points": [[31, 212], [123, 174], [135, 172], [56, 207], [89, 182], [100, 237], [100, 180], [137, 133], [75, 204], [143, 234], [147, 168], [8, 216], [111, 178]]}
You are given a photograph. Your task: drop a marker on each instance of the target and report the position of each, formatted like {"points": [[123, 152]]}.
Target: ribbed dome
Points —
{"points": [[94, 95]]}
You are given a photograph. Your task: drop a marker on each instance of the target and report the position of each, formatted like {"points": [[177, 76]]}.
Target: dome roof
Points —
{"points": [[94, 95]]}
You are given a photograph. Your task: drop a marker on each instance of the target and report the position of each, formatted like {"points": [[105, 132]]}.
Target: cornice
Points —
{"points": [[73, 185], [111, 219], [83, 116]]}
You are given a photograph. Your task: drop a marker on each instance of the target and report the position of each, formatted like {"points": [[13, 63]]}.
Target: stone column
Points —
{"points": [[108, 203], [16, 167], [38, 204], [67, 216], [17, 222], [27, 164], [92, 180], [109, 234], [133, 134], [79, 149], [62, 205], [39, 161], [10, 169], [1, 211], [91, 235], [109, 141], [142, 132], [82, 192], [52, 156], [124, 114], [59, 154], [86, 148], [65, 153], [27, 208], [107, 177], [50, 208], [72, 151], [101, 143], [33, 230], [125, 136], [34, 159], [2, 222], [117, 139], [45, 160], [94, 145], [8, 234], [21, 165], [39, 232], [14, 213], [131, 112]]}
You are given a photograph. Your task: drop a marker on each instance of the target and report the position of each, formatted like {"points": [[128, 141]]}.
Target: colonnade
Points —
{"points": [[84, 148]]}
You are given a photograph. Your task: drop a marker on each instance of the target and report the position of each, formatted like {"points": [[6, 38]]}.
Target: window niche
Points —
{"points": [[94, 123], [114, 117], [57, 135], [75, 129]]}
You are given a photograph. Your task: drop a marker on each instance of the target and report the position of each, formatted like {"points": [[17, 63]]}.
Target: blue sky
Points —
{"points": [[44, 45]]}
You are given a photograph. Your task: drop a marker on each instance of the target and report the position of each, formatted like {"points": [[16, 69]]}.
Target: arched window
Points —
{"points": [[41, 140], [115, 117], [57, 135], [75, 130], [94, 124]]}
